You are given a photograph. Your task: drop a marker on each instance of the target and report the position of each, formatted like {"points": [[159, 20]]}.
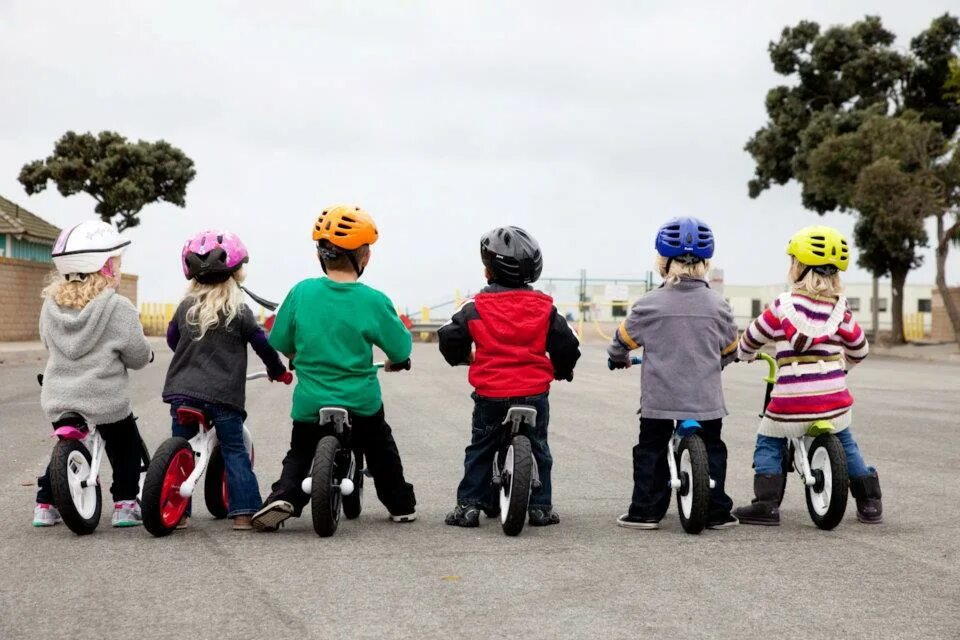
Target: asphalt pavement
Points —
{"points": [[585, 578]]}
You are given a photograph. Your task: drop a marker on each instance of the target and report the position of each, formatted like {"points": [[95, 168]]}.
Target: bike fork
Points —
{"points": [[96, 457], [674, 480], [800, 462]]}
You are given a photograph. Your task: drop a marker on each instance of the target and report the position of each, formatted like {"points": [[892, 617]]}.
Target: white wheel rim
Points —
{"points": [[506, 492], [84, 499], [686, 499], [821, 499]]}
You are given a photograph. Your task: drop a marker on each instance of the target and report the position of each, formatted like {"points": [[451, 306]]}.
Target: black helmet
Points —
{"points": [[512, 256]]}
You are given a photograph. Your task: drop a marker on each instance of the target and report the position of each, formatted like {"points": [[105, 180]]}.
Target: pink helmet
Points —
{"points": [[211, 257]]}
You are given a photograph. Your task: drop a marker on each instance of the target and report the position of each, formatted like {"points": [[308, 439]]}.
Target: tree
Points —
{"points": [[847, 77], [123, 177]]}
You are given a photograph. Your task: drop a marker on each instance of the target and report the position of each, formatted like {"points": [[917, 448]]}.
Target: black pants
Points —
{"points": [[651, 474], [369, 434], [122, 444]]}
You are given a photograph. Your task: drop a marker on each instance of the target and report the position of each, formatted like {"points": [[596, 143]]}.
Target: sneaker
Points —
{"points": [[183, 524], [126, 513], [272, 515], [543, 517], [463, 515], [404, 517], [725, 522], [632, 522], [45, 515], [242, 523]]}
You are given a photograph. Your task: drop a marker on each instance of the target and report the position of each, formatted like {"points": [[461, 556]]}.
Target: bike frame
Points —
{"points": [[520, 418], [93, 441], [684, 429]]}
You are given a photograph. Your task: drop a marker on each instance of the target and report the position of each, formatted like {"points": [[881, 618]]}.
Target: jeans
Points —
{"points": [[371, 436], [651, 472], [476, 488], [123, 447], [768, 456], [242, 489]]}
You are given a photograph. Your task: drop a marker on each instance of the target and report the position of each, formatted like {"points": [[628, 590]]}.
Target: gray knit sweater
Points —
{"points": [[90, 352]]}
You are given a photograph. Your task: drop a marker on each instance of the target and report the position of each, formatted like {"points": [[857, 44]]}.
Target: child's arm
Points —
{"points": [[284, 331], [729, 335], [173, 334], [394, 338], [854, 340], [135, 351], [760, 332], [627, 338], [563, 347], [254, 334], [456, 343]]}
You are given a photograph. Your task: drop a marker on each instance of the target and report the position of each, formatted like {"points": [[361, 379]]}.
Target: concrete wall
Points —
{"points": [[942, 329], [21, 282]]}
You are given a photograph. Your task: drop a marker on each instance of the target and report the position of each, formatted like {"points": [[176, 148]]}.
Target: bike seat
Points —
{"points": [[187, 415], [336, 416], [71, 419], [819, 428], [520, 414], [687, 428]]}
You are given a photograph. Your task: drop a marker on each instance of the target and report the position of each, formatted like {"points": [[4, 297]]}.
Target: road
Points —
{"points": [[585, 578]]}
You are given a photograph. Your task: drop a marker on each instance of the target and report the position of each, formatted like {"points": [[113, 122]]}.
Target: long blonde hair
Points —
{"points": [[77, 294], [213, 304], [697, 270], [813, 283]]}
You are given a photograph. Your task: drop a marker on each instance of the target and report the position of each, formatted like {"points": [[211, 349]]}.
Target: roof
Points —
{"points": [[17, 221]]}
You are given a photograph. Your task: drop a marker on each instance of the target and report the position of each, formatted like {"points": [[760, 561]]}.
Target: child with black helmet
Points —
{"points": [[522, 345], [687, 334]]}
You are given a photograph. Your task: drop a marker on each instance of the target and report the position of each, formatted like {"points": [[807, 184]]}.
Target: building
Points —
{"points": [[24, 236]]}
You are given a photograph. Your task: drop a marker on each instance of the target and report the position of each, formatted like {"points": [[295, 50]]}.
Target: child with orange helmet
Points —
{"points": [[328, 327]]}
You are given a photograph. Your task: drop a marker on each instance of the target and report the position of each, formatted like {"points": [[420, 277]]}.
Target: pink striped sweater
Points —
{"points": [[817, 339]]}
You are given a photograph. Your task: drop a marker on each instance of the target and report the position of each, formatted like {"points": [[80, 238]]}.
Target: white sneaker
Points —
{"points": [[126, 513], [45, 515], [406, 517]]}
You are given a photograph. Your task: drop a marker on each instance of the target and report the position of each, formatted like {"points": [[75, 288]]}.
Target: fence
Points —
{"points": [[155, 316]]}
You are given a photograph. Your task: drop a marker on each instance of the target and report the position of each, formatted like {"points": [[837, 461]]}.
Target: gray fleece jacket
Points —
{"points": [[90, 352], [687, 333]]}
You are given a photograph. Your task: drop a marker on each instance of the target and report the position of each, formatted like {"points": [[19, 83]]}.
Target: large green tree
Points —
{"points": [[122, 176], [845, 77]]}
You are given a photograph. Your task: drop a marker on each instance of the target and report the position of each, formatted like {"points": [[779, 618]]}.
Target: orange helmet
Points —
{"points": [[345, 226]]}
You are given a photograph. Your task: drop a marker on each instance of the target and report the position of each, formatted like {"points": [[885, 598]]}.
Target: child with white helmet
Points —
{"points": [[817, 341], [93, 336], [209, 334]]}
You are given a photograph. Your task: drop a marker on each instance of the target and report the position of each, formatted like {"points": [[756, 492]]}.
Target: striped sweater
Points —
{"points": [[817, 339]]}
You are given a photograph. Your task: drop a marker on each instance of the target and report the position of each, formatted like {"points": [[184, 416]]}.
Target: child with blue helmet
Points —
{"points": [[687, 334]]}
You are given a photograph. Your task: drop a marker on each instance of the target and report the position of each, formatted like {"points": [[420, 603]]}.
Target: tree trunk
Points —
{"points": [[898, 277], [943, 245]]}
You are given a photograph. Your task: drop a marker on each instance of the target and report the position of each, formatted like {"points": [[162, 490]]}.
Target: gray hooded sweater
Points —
{"points": [[90, 352]]}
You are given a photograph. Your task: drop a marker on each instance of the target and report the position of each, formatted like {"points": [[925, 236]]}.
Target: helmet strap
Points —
{"points": [[75, 277], [669, 262], [356, 265], [803, 274]]}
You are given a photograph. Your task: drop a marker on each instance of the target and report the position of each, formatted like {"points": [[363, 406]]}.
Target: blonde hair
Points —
{"points": [[813, 283], [75, 294], [698, 270], [213, 304]]}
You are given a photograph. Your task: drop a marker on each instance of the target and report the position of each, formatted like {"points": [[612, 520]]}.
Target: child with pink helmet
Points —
{"points": [[209, 334]]}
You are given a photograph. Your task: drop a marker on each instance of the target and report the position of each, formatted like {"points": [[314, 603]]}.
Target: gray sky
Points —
{"points": [[587, 123]]}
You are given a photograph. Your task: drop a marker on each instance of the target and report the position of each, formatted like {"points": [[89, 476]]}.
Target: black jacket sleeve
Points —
{"points": [[563, 347], [456, 343]]}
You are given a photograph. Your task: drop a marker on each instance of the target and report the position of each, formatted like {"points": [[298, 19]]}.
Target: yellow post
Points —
{"points": [[456, 299], [425, 317]]}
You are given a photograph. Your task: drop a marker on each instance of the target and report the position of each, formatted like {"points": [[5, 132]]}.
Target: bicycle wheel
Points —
{"points": [[516, 474], [163, 506], [827, 498], [352, 504], [79, 506], [325, 495], [215, 494], [786, 465], [693, 496]]}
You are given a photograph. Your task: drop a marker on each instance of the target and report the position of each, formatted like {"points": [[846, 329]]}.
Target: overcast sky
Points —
{"points": [[588, 123]]}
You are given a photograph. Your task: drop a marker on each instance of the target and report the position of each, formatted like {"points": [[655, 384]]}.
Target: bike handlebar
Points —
{"points": [[772, 363], [611, 365], [257, 375]]}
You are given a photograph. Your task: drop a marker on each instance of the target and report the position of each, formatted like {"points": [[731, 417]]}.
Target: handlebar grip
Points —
{"points": [[611, 365]]}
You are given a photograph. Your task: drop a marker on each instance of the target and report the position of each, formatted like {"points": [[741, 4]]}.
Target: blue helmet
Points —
{"points": [[685, 237]]}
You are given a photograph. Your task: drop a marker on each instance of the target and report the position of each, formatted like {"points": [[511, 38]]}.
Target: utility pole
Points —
{"points": [[875, 308]]}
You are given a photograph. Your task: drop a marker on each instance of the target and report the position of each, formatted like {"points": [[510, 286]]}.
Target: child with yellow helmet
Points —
{"points": [[328, 327], [817, 341]]}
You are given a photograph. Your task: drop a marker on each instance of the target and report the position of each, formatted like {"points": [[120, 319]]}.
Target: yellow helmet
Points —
{"points": [[820, 246]]}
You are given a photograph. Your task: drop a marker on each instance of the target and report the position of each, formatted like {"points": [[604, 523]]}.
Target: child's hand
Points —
{"points": [[397, 366], [286, 378], [618, 364]]}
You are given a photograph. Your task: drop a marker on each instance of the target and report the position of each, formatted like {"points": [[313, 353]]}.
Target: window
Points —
{"points": [[619, 309], [854, 304], [882, 305], [755, 307], [924, 305]]}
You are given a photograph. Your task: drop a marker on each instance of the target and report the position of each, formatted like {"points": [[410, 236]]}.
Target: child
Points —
{"points": [[93, 336], [328, 327], [209, 334], [817, 339], [514, 328], [688, 334]]}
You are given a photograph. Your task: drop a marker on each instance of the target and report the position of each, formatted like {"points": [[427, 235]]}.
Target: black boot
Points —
{"points": [[764, 509], [866, 491]]}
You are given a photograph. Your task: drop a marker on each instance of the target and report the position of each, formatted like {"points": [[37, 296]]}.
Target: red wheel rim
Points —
{"points": [[172, 504], [223, 491]]}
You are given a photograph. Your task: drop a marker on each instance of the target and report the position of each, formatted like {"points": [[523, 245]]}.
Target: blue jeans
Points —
{"points": [[244, 494], [768, 456], [488, 413]]}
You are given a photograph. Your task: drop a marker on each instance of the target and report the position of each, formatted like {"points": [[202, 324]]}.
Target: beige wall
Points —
{"points": [[942, 330], [21, 282]]}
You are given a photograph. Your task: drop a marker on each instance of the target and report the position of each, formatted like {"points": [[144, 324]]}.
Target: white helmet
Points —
{"points": [[86, 247]]}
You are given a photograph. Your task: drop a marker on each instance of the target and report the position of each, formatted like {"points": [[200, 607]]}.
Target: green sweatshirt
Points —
{"points": [[332, 328]]}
